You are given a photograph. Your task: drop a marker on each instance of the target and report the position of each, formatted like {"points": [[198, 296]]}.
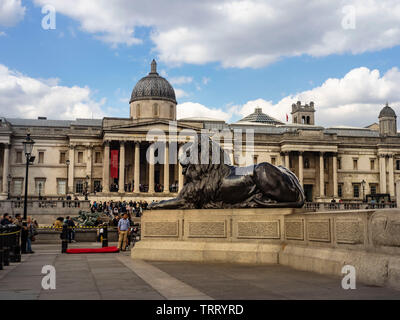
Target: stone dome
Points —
{"points": [[260, 117], [387, 112], [153, 86]]}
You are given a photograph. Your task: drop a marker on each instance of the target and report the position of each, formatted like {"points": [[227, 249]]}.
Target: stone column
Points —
{"points": [[287, 160], [334, 174], [398, 193], [151, 168], [166, 168], [106, 167], [382, 173], [136, 176], [321, 175], [89, 167], [71, 169], [301, 164], [6, 167], [121, 180], [391, 176], [180, 175]]}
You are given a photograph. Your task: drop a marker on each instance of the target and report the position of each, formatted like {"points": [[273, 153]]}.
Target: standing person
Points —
{"points": [[123, 228], [5, 220], [31, 234], [71, 232]]}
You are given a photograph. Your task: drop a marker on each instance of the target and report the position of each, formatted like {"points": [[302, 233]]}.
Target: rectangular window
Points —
{"points": [[41, 157], [325, 164], [80, 157], [397, 164], [372, 188], [97, 185], [255, 159], [356, 190], [62, 157], [17, 187], [61, 186], [372, 164], [355, 164], [39, 186], [19, 157], [273, 160], [339, 163], [340, 190], [97, 157], [79, 186]]}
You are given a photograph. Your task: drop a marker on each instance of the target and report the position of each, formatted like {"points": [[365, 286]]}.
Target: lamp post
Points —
{"points": [[28, 146], [67, 163], [86, 187], [9, 178], [363, 183]]}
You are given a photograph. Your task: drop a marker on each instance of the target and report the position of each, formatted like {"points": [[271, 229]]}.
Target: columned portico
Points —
{"points": [[382, 173], [106, 167], [287, 160], [6, 167], [121, 180], [180, 175], [301, 164], [321, 175], [334, 175], [151, 168], [166, 168], [71, 169], [136, 176], [391, 175]]}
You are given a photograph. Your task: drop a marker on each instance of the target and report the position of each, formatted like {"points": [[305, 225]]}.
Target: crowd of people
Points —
{"points": [[28, 230], [116, 208]]}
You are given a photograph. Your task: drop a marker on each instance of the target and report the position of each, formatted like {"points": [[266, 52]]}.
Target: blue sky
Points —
{"points": [[96, 67]]}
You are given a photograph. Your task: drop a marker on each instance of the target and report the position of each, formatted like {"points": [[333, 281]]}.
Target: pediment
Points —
{"points": [[147, 126]]}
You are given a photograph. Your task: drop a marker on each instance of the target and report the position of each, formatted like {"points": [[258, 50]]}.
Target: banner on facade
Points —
{"points": [[114, 164]]}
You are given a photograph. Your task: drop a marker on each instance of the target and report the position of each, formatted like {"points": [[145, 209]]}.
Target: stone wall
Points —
{"points": [[319, 242]]}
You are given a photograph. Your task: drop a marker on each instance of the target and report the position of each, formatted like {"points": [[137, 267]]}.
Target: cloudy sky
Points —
{"points": [[224, 58]]}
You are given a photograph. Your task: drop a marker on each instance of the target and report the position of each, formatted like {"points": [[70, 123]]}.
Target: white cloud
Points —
{"points": [[180, 80], [206, 80], [25, 97], [239, 33], [2, 34], [193, 109], [354, 100], [180, 93], [11, 12]]}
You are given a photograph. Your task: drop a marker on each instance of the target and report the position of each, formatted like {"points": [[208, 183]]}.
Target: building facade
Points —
{"points": [[108, 158]]}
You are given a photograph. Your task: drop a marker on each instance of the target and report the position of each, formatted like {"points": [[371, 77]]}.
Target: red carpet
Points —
{"points": [[93, 250]]}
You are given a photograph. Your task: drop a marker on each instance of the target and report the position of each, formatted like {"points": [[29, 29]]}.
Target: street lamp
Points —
{"points": [[363, 183], [67, 163], [9, 178], [28, 146], [86, 187]]}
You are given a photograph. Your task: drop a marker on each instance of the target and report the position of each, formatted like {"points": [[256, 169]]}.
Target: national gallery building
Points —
{"points": [[106, 158]]}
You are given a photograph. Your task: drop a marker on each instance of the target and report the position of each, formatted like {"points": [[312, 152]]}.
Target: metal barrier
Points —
{"points": [[10, 248]]}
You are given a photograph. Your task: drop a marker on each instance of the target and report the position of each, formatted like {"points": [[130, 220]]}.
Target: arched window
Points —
{"points": [[308, 119]]}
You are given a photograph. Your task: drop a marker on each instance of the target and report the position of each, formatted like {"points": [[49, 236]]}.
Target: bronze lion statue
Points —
{"points": [[220, 185]]}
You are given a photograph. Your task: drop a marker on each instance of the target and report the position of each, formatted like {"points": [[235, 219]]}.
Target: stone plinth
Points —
{"points": [[225, 235], [321, 242]]}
